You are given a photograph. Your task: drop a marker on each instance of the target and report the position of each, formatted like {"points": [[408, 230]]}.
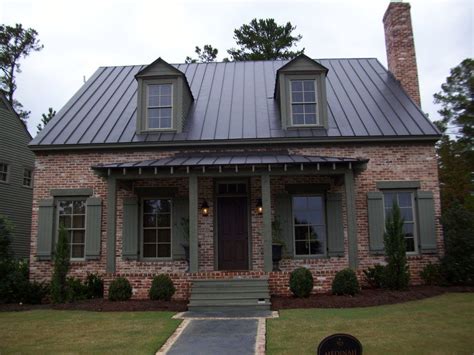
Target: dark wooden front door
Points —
{"points": [[232, 229]]}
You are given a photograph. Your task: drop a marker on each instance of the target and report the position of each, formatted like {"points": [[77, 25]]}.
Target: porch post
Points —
{"points": [[351, 218], [111, 223], [267, 223], [193, 224]]}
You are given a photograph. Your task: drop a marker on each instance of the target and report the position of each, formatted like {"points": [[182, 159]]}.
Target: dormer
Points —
{"points": [[300, 89], [164, 98]]}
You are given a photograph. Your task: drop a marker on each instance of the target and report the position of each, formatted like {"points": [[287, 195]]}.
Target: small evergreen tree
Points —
{"points": [[397, 275], [45, 118], [61, 268], [6, 231]]}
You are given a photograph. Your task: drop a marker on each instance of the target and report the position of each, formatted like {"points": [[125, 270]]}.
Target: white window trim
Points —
{"points": [[415, 219], [309, 256], [31, 178], [142, 205], [171, 128], [85, 225], [316, 103]]}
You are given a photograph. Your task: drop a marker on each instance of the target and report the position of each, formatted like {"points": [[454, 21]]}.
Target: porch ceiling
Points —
{"points": [[225, 160]]}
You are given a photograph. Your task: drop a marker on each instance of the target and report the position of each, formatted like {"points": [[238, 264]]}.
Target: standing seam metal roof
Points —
{"points": [[234, 101]]}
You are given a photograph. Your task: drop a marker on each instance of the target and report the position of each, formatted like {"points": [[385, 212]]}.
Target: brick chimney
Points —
{"points": [[400, 47]]}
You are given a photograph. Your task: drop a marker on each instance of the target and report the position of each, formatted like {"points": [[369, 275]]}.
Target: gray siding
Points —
{"points": [[16, 200]]}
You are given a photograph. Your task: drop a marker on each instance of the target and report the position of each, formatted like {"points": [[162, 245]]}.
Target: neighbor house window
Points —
{"points": [[160, 106], [3, 172], [72, 216], [405, 201], [309, 225], [157, 228], [303, 102], [27, 177]]}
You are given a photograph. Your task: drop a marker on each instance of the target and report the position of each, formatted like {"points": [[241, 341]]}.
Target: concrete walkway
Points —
{"points": [[221, 333]]}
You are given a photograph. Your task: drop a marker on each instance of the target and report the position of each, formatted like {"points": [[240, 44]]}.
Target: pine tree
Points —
{"points": [[45, 118], [61, 268]]}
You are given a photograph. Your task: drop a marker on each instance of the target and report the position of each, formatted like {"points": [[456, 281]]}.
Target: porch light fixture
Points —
{"points": [[259, 206], [205, 208]]}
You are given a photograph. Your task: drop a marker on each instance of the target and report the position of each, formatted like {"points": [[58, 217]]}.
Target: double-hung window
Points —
{"points": [[303, 102], [406, 202], [3, 172], [156, 228], [27, 177], [72, 217], [160, 106], [309, 225]]}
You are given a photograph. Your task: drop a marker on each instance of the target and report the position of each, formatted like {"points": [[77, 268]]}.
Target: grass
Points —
{"points": [[438, 325], [79, 332]]}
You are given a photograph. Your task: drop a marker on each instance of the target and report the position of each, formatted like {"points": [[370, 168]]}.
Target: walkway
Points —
{"points": [[219, 333]]}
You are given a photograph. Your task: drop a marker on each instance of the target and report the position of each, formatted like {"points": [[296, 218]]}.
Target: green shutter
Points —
{"points": [[180, 212], [284, 214], [335, 225], [130, 228], [426, 221], [45, 229], [376, 220], [93, 227]]}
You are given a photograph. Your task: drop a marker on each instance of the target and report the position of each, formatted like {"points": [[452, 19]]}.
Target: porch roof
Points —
{"points": [[249, 159]]}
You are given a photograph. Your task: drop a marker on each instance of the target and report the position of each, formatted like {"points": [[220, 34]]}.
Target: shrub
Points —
{"points": [[301, 282], [61, 268], [120, 290], [36, 292], [162, 288], [75, 290], [397, 275], [457, 265], [95, 286], [345, 283], [375, 276], [431, 274], [6, 234], [14, 282]]}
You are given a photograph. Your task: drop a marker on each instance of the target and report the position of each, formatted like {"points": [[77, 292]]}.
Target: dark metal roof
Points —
{"points": [[183, 160], [234, 101]]}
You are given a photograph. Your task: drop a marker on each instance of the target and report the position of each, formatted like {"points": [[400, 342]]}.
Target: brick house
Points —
{"points": [[218, 157]]}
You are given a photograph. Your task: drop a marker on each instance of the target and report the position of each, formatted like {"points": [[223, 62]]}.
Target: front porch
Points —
{"points": [[222, 207]]}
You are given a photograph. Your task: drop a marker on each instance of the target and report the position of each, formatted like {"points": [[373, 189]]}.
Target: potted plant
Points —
{"points": [[277, 243]]}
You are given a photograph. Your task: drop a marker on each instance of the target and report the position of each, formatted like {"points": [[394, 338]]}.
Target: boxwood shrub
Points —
{"points": [[120, 289], [301, 282], [345, 283], [162, 288]]}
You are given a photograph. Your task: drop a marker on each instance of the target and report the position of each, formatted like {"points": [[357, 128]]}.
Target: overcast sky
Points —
{"points": [[80, 36]]}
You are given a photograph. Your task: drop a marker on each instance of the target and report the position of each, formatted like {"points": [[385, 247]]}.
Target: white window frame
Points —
{"points": [[142, 228], [414, 211], [306, 256], [30, 185], [316, 103], [148, 128], [72, 199]]}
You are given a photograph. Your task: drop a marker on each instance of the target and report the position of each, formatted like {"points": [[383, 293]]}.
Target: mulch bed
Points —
{"points": [[366, 298], [103, 305]]}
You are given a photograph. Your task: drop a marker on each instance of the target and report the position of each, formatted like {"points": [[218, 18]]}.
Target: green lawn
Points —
{"points": [[50, 331], [438, 325]]}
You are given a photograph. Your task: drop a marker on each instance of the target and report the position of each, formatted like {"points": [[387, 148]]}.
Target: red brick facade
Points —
{"points": [[389, 161], [400, 45]]}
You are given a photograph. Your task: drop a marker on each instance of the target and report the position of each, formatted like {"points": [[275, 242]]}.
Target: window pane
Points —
{"points": [[410, 244], [298, 119], [296, 85], [65, 221], [315, 248], [299, 203], [314, 217], [153, 120], [165, 101], [165, 89], [164, 220], [315, 203], [78, 237], [407, 214], [65, 207], [301, 233], [149, 250], [150, 206], [310, 108], [164, 236], [165, 112], [308, 85], [404, 199], [301, 248], [408, 230], [149, 236], [298, 109], [164, 206], [149, 220], [164, 250], [77, 251], [165, 122], [309, 97], [388, 199], [310, 118], [153, 90], [153, 101], [297, 97], [78, 221]]}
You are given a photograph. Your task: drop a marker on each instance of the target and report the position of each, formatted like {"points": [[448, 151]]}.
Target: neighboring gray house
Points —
{"points": [[16, 176]]}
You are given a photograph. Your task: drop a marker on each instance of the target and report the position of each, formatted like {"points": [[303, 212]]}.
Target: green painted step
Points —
{"points": [[228, 303], [236, 290], [229, 296], [229, 309], [232, 283]]}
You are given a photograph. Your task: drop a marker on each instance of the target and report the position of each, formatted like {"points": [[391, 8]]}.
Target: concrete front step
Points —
{"points": [[229, 294]]}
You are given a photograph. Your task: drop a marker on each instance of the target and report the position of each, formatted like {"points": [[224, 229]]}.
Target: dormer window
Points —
{"points": [[303, 102], [160, 106], [300, 88]]}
